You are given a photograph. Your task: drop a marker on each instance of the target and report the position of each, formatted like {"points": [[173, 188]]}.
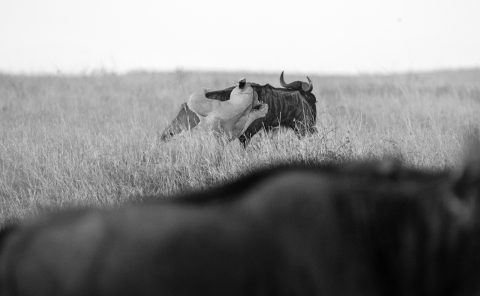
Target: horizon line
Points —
{"points": [[105, 71]]}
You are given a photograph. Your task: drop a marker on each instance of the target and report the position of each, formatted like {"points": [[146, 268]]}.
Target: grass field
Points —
{"points": [[94, 139]]}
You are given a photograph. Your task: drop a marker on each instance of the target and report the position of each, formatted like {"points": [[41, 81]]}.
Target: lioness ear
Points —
{"points": [[242, 83]]}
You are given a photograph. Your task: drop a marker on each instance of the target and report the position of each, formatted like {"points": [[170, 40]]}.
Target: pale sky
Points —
{"points": [[335, 36]]}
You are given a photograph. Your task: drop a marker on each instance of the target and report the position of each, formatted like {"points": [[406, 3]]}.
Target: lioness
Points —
{"points": [[231, 117]]}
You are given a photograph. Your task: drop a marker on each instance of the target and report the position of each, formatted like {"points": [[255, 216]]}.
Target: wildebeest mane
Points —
{"points": [[268, 91], [310, 98]]}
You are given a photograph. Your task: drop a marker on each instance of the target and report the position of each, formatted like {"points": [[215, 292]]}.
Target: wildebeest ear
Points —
{"points": [[467, 183]]}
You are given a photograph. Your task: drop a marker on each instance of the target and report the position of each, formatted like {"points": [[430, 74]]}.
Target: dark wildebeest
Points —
{"points": [[293, 106], [356, 229]]}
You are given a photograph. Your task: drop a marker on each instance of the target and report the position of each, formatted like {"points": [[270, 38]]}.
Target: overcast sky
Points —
{"points": [[302, 36]]}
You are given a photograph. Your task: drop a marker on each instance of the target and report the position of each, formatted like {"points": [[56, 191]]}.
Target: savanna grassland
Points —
{"points": [[95, 139]]}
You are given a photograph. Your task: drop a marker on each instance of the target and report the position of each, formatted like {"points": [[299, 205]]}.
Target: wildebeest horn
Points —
{"points": [[298, 85], [282, 81], [307, 87]]}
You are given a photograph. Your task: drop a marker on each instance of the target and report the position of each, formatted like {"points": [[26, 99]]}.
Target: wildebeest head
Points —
{"points": [[293, 107]]}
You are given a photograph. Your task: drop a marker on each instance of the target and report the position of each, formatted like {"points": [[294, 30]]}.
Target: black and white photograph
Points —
{"points": [[239, 148]]}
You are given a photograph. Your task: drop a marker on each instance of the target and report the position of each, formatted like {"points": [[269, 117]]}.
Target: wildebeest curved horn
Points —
{"points": [[293, 85], [307, 87], [282, 80]]}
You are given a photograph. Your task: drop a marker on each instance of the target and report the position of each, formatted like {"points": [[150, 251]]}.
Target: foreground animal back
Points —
{"points": [[355, 229]]}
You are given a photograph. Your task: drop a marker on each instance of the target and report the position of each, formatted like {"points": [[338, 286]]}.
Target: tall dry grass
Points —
{"points": [[94, 139]]}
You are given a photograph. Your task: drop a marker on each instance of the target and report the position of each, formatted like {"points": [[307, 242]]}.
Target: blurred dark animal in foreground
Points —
{"points": [[306, 229], [293, 107], [232, 117]]}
